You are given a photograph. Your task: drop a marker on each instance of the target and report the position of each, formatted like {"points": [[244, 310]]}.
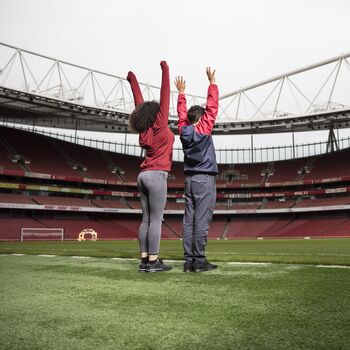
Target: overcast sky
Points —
{"points": [[246, 41]]}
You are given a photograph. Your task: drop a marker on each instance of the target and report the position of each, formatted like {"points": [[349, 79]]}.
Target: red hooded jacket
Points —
{"points": [[157, 140]]}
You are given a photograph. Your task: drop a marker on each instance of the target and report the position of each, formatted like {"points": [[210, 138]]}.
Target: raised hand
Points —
{"points": [[130, 76], [180, 84], [211, 75], [163, 64]]}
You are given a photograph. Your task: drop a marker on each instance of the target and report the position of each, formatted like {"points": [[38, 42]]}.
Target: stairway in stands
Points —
{"points": [[72, 163], [268, 172], [114, 169], [306, 169], [14, 156]]}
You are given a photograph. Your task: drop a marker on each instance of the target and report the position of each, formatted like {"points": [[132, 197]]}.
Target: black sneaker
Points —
{"points": [[205, 266], [188, 267], [143, 266], [158, 266]]}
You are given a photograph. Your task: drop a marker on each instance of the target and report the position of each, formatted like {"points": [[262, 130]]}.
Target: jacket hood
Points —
{"points": [[199, 151], [192, 143], [187, 135], [146, 138]]}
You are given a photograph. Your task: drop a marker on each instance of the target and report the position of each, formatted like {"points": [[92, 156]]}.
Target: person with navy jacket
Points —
{"points": [[195, 128], [150, 120]]}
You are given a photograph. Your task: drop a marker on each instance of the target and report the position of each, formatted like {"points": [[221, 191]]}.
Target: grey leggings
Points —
{"points": [[152, 185]]}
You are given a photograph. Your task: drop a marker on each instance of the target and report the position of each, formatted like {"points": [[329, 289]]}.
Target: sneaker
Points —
{"points": [[143, 267], [188, 267], [205, 266], [158, 266]]}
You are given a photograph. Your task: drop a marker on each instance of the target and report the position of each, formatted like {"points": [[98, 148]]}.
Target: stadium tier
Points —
{"points": [[279, 204], [28, 152], [34, 154], [15, 198], [48, 183], [330, 165], [120, 227], [134, 204], [68, 201], [110, 203], [279, 227]]}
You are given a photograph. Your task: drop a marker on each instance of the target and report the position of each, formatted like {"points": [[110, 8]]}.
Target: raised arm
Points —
{"points": [[180, 84], [206, 123], [165, 90], [163, 116], [135, 88]]}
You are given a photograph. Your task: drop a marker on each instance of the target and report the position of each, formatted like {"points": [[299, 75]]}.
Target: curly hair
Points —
{"points": [[143, 116], [195, 113]]}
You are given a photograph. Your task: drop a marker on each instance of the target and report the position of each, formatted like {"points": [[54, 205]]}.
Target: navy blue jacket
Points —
{"points": [[197, 142]]}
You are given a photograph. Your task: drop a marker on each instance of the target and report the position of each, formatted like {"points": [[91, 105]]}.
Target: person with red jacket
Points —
{"points": [[150, 120], [200, 167]]}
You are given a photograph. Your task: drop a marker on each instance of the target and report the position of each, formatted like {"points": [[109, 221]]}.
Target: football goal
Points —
{"points": [[42, 234]]}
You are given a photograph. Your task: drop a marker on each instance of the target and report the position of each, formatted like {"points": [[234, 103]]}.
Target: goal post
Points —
{"points": [[42, 234]]}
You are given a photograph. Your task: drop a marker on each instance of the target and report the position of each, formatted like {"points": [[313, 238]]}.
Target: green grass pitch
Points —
{"points": [[64, 302], [298, 251]]}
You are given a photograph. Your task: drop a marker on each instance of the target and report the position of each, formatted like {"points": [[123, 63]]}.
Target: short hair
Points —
{"points": [[195, 113], [143, 116]]}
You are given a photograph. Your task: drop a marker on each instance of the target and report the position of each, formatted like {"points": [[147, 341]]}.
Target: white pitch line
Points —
{"points": [[244, 263], [47, 255], [334, 266], [248, 263], [174, 261], [285, 254]]}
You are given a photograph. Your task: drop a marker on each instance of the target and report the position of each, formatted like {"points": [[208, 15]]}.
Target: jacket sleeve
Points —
{"points": [[206, 123], [163, 115], [182, 112], [135, 88]]}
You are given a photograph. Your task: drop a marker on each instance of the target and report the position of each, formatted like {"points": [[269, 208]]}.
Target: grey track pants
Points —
{"points": [[200, 197], [152, 185]]}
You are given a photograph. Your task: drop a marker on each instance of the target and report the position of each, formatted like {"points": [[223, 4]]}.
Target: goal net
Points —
{"points": [[42, 234]]}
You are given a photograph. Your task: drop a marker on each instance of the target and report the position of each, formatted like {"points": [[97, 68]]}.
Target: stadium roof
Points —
{"points": [[32, 109], [69, 96]]}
